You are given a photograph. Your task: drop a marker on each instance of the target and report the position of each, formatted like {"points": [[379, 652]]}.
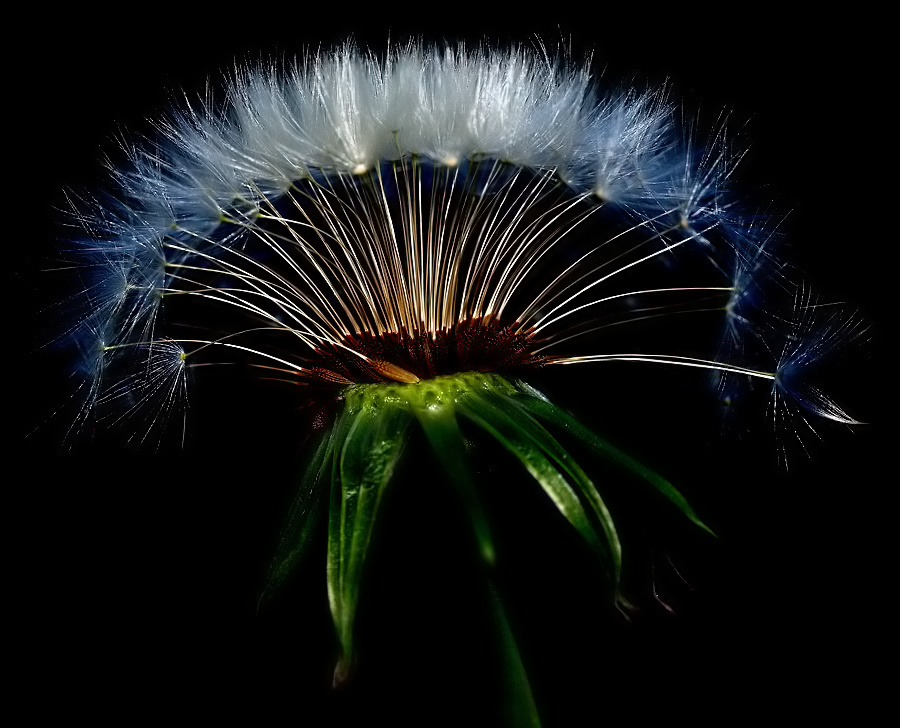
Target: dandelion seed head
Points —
{"points": [[355, 218], [388, 246]]}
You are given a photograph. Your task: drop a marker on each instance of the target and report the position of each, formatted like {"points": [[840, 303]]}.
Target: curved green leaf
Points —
{"points": [[371, 449], [545, 410], [303, 518], [442, 430], [544, 457]]}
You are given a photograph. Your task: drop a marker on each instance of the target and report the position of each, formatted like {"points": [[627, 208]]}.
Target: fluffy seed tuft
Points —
{"points": [[355, 219]]}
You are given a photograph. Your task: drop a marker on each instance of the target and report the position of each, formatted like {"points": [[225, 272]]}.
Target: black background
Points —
{"points": [[134, 576]]}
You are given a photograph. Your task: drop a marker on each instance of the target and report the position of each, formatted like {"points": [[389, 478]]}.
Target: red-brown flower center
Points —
{"points": [[481, 345]]}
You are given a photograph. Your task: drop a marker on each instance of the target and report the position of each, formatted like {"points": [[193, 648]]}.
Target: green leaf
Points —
{"points": [[442, 430], [371, 449], [540, 407], [303, 518], [544, 458]]}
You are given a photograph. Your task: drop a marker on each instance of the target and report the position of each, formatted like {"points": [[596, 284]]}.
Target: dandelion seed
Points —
{"points": [[409, 238]]}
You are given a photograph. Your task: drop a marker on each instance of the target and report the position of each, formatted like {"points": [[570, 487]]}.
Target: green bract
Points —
{"points": [[359, 454]]}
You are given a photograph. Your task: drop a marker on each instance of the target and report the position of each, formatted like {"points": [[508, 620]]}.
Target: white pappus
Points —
{"points": [[405, 201]]}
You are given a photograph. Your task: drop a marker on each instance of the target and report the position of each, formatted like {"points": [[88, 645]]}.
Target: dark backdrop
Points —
{"points": [[135, 575]]}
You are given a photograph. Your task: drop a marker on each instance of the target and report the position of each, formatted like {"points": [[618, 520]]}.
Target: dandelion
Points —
{"points": [[407, 239]]}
